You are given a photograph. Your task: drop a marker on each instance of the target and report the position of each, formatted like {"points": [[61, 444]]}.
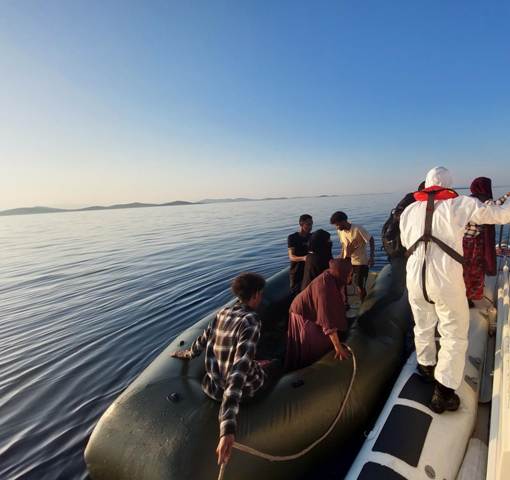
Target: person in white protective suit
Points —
{"points": [[435, 282]]}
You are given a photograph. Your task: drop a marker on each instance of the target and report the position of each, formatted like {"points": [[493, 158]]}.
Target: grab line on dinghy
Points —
{"points": [[284, 458]]}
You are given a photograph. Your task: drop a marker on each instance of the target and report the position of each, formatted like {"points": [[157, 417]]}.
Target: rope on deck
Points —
{"points": [[284, 458]]}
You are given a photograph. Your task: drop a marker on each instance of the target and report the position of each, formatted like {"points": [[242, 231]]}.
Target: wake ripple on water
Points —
{"points": [[89, 299]]}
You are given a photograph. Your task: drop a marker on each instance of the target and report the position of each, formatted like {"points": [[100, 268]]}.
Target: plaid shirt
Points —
{"points": [[472, 229], [230, 343]]}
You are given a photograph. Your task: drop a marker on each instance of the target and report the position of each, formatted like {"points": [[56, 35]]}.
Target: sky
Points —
{"points": [[106, 102]]}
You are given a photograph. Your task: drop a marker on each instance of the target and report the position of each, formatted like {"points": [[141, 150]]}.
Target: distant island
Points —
{"points": [[205, 201], [37, 210]]}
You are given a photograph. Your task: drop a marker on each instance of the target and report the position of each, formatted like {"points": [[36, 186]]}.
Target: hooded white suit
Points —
{"points": [[444, 280]]}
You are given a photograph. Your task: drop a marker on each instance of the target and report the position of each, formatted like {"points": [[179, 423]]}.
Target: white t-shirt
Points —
{"points": [[357, 238]]}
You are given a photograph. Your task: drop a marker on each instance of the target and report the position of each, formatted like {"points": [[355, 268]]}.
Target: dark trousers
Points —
{"points": [[274, 370]]}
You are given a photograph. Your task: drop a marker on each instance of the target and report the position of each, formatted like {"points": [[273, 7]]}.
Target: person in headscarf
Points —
{"points": [[317, 317], [479, 243], [318, 259]]}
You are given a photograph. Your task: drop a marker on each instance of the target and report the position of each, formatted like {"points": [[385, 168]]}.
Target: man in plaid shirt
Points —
{"points": [[230, 343]]}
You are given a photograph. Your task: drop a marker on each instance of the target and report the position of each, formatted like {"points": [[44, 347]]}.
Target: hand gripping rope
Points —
{"points": [[284, 458]]}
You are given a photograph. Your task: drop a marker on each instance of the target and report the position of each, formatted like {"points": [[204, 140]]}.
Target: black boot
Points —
{"points": [[444, 398], [426, 372]]}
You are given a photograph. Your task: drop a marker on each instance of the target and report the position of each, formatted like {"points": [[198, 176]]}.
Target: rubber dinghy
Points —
{"points": [[164, 427]]}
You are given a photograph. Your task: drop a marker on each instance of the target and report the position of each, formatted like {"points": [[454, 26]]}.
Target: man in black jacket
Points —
{"points": [[298, 247]]}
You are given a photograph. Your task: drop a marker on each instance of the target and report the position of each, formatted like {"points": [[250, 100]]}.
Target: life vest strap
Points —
{"points": [[426, 238], [443, 246]]}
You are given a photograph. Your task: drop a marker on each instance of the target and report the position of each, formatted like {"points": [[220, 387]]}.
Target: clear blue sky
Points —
{"points": [[105, 102]]}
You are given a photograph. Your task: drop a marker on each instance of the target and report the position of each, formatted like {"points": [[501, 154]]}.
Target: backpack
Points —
{"points": [[390, 233]]}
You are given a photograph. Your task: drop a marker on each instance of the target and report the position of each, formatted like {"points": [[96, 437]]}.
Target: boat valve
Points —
{"points": [[430, 471], [173, 397]]}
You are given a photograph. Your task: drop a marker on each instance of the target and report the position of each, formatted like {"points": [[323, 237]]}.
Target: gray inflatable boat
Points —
{"points": [[164, 427]]}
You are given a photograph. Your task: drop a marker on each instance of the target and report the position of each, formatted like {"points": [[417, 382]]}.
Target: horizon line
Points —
{"points": [[32, 210], [205, 201]]}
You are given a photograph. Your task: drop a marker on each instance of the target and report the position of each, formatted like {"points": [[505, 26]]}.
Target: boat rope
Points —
{"points": [[284, 458]]}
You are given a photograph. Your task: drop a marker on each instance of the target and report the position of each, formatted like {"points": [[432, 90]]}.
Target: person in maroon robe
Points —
{"points": [[317, 317], [479, 243]]}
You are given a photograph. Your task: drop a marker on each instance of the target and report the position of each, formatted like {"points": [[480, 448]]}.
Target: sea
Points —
{"points": [[89, 299]]}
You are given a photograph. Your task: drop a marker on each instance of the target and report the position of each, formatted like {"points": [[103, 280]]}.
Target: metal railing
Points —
{"points": [[498, 463], [503, 243], [499, 436]]}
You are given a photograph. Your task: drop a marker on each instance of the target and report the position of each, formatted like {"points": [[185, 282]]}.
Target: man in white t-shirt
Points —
{"points": [[354, 240]]}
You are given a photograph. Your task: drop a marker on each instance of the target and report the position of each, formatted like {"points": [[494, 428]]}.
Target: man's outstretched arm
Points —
{"points": [[196, 348]]}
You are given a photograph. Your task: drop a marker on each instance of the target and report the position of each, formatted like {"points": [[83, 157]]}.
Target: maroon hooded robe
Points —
{"points": [[315, 313], [479, 251]]}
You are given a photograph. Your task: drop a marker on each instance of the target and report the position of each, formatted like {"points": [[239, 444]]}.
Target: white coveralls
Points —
{"points": [[444, 278]]}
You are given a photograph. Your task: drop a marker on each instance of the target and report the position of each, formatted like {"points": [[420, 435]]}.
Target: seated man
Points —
{"points": [[317, 317], [230, 343]]}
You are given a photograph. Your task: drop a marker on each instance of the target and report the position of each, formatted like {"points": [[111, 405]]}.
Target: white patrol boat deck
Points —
{"points": [[410, 441]]}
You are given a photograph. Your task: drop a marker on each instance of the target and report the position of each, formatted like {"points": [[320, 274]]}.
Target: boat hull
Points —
{"points": [[436, 444], [147, 435]]}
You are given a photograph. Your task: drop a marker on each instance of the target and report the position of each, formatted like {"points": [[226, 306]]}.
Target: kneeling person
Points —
{"points": [[230, 343], [317, 317]]}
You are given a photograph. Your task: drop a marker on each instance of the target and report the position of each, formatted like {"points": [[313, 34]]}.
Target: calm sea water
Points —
{"points": [[89, 299]]}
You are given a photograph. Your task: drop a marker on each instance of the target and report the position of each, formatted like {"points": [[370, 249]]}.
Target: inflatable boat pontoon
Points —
{"points": [[164, 427]]}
